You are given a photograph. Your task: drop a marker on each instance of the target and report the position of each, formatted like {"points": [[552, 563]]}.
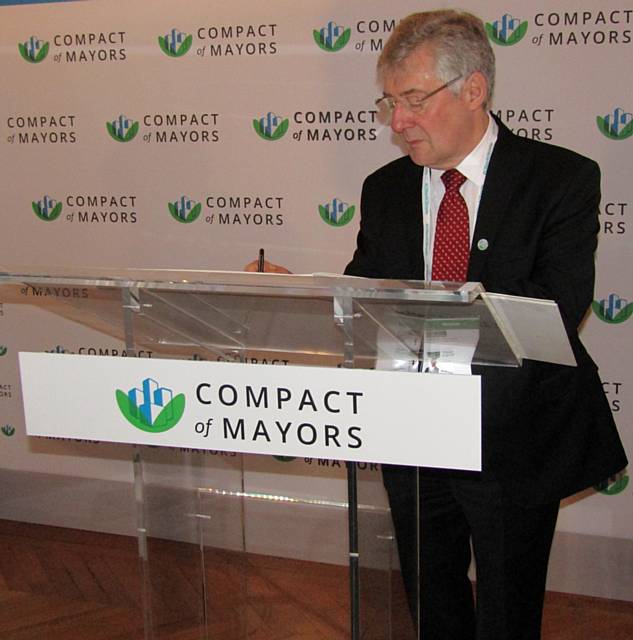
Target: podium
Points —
{"points": [[284, 328]]}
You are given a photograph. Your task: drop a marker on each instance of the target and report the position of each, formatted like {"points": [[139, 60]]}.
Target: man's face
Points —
{"points": [[447, 128]]}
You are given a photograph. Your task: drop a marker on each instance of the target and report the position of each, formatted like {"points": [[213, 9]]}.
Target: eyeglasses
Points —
{"points": [[414, 101]]}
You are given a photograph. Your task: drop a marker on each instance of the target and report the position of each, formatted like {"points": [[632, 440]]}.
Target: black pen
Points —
{"points": [[260, 262]]}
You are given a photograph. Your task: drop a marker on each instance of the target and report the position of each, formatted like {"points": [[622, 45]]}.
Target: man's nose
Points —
{"points": [[400, 118]]}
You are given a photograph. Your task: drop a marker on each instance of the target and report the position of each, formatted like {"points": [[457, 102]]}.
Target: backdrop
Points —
{"points": [[156, 133]]}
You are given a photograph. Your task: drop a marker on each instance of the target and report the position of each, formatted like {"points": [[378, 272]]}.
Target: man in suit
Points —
{"points": [[521, 217]]}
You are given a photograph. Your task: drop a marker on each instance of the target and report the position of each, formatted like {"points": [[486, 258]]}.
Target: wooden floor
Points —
{"points": [[63, 584]]}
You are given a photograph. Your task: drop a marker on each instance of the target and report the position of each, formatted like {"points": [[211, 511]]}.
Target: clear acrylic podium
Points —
{"points": [[319, 320]]}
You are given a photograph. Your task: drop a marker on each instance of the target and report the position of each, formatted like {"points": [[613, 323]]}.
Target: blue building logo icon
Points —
{"points": [[617, 125], [336, 213], [507, 30], [185, 209], [122, 128], [47, 209], [612, 309], [175, 43], [332, 37], [150, 407], [271, 126]]}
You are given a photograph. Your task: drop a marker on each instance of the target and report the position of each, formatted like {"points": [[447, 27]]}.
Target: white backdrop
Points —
{"points": [[562, 71]]}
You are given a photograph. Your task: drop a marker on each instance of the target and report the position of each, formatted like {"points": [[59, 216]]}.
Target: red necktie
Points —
{"points": [[451, 246]]}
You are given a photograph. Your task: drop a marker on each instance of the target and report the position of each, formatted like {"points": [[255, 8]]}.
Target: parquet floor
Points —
{"points": [[63, 584]]}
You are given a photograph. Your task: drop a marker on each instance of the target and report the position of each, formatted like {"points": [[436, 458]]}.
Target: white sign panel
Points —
{"points": [[357, 415]]}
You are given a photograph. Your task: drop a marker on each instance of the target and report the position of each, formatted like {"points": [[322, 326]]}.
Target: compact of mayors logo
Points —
{"points": [[271, 126], [8, 430], [151, 408], [33, 50], [617, 125], [47, 209], [336, 213], [614, 485], [122, 128], [185, 209], [89, 208], [228, 40], [332, 37], [536, 123], [507, 30], [613, 309], [42, 129], [175, 44]]}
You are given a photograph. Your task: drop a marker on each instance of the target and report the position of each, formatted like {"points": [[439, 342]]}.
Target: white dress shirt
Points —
{"points": [[473, 167]]}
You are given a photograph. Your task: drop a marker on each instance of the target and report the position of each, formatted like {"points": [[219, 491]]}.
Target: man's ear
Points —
{"points": [[475, 91]]}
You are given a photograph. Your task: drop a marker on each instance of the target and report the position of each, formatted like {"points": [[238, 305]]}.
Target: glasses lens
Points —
{"points": [[384, 110]]}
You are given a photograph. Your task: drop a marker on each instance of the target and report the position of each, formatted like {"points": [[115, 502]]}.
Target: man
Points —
{"points": [[522, 218]]}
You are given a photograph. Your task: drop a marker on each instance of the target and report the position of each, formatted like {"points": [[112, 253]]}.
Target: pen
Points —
{"points": [[260, 262]]}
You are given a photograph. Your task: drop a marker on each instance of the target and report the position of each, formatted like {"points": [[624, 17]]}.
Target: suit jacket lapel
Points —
{"points": [[501, 181]]}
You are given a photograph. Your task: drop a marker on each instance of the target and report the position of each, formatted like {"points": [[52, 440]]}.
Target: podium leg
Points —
{"points": [[141, 529], [354, 568]]}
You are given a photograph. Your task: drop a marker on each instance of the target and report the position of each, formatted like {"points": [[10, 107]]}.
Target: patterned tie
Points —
{"points": [[452, 235]]}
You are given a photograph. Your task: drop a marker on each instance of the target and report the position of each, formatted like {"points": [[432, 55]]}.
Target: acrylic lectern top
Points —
{"points": [[317, 319]]}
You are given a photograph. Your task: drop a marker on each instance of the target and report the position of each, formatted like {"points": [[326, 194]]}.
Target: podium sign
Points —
{"points": [[355, 415]]}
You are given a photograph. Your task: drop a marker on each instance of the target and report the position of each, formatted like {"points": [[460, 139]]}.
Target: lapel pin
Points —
{"points": [[482, 245]]}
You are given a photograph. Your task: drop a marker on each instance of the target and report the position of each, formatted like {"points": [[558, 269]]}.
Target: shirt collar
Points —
{"points": [[473, 166]]}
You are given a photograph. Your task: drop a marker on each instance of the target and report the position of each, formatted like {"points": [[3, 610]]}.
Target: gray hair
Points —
{"points": [[457, 39]]}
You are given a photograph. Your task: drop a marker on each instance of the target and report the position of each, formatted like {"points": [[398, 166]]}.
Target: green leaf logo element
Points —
{"points": [[284, 458], [342, 221], [627, 132], [611, 133], [57, 209], [608, 488], [622, 316], [130, 135], [41, 54], [182, 49], [317, 38], [185, 46], [596, 307], [279, 132], [112, 132], [194, 214], [8, 430], [167, 418], [605, 129], [492, 33], [341, 41], [54, 214], [517, 35], [23, 52], [162, 43], [131, 132], [3, 350]]}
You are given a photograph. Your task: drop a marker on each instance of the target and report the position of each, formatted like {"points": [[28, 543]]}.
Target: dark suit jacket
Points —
{"points": [[548, 431]]}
